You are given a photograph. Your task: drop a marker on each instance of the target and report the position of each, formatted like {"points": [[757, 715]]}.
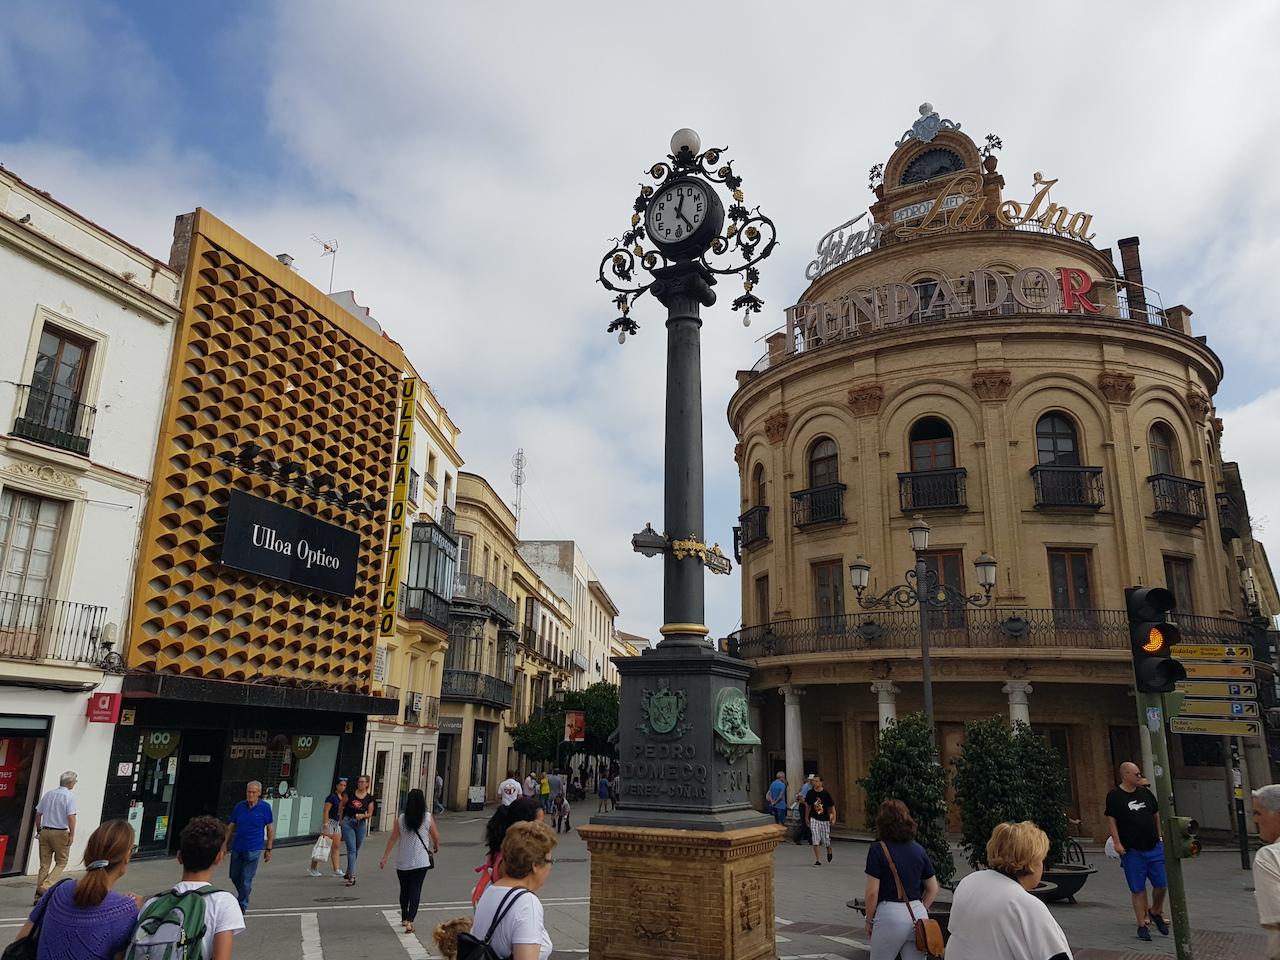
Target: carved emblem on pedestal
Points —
{"points": [[992, 384], [662, 713], [866, 401], [750, 905], [733, 725], [657, 914], [1198, 404], [1115, 386], [775, 426]]}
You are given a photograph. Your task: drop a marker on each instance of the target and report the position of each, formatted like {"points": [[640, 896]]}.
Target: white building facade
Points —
{"points": [[562, 564], [87, 325]]}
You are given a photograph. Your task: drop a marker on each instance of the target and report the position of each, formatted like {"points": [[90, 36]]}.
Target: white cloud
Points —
{"points": [[472, 160], [1246, 430]]}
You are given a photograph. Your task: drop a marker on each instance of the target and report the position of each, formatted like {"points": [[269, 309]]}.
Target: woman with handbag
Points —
{"points": [[410, 837], [509, 918], [993, 914], [84, 919], [901, 886], [327, 844]]}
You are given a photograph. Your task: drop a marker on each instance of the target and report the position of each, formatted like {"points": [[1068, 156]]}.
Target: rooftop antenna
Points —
{"points": [[519, 461], [329, 249]]}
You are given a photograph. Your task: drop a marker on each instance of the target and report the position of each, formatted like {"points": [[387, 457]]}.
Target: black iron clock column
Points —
{"points": [[683, 288]]}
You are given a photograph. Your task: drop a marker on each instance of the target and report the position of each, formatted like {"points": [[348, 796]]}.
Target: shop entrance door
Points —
{"points": [[199, 778]]}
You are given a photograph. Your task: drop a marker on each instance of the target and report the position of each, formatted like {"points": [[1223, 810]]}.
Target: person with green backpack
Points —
{"points": [[193, 920]]}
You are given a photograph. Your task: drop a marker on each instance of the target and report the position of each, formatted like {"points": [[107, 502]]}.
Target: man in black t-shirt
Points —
{"points": [[822, 811], [1133, 815]]}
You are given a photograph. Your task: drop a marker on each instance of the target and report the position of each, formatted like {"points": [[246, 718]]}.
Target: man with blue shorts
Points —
{"points": [[1133, 815]]}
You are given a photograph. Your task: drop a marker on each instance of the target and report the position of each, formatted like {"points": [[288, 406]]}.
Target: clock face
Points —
{"points": [[676, 211]]}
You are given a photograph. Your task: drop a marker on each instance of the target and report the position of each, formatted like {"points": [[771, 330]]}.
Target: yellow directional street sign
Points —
{"points": [[1216, 728], [1212, 651], [1217, 688], [1219, 708], [1197, 670]]}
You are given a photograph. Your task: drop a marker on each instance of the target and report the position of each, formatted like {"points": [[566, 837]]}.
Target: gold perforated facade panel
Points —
{"points": [[262, 356]]}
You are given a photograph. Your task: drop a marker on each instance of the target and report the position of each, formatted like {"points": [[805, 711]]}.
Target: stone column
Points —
{"points": [[759, 777], [1017, 691], [887, 701], [792, 734]]}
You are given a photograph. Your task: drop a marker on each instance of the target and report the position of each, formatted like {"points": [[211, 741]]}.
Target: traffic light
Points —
{"points": [[1152, 638], [1185, 843]]}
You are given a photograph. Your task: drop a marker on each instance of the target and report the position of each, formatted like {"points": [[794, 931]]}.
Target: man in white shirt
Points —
{"points": [[1266, 865], [56, 825], [201, 847]]}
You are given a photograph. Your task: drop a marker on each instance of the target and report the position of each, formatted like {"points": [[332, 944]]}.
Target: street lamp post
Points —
{"points": [[923, 591]]}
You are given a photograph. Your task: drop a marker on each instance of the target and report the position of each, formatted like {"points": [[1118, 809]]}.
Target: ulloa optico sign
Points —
{"points": [[286, 544]]}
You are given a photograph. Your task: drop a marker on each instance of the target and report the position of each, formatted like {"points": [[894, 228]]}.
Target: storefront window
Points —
{"points": [[22, 753], [296, 771]]}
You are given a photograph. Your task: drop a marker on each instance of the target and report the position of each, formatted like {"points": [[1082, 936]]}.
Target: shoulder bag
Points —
{"points": [[431, 860], [471, 948], [928, 931], [25, 949]]}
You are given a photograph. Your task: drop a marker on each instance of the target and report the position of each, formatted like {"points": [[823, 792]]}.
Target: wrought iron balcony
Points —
{"points": [[470, 588], [823, 504], [755, 526], [1229, 517], [1178, 500], [38, 628], [428, 712], [53, 420], [448, 521], [969, 627], [932, 490], [419, 603], [477, 687], [1068, 487], [433, 481], [414, 486]]}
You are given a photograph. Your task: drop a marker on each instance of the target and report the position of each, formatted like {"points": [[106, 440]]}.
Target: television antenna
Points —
{"points": [[329, 249], [519, 461]]}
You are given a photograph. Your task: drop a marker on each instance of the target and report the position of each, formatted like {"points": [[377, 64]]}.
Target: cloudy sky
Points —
{"points": [[473, 160]]}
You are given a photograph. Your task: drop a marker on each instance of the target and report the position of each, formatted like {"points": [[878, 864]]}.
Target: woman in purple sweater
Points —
{"points": [[87, 920]]}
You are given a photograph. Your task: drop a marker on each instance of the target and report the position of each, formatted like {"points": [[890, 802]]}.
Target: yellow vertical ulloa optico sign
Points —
{"points": [[399, 511]]}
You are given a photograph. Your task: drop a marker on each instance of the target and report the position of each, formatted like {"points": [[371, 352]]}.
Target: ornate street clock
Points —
{"points": [[683, 217]]}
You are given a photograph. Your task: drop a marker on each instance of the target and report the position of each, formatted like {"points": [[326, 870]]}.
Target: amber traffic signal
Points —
{"points": [[1185, 843], [1152, 638]]}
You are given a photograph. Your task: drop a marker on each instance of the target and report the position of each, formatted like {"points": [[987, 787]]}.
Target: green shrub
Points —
{"points": [[904, 769], [1007, 774]]}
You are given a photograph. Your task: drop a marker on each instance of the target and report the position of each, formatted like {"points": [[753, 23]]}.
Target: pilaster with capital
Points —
{"points": [[886, 700], [1019, 709], [792, 735]]}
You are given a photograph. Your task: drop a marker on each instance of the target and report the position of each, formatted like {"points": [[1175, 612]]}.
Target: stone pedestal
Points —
{"points": [[662, 893]]}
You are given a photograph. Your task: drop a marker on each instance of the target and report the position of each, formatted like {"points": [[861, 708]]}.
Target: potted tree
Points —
{"points": [[1010, 773], [903, 769]]}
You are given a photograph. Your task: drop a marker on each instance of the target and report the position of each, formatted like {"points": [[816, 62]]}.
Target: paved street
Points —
{"points": [[296, 917]]}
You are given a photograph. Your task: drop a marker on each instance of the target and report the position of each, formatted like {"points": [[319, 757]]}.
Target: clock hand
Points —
{"points": [[684, 218]]}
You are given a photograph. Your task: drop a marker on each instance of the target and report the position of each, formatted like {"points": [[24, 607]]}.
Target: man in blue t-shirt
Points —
{"points": [[776, 798], [252, 835]]}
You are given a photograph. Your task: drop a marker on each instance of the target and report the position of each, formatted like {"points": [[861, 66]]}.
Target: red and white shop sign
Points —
{"points": [[104, 708]]}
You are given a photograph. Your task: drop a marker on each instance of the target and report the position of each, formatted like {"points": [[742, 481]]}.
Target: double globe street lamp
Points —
{"points": [[924, 591]]}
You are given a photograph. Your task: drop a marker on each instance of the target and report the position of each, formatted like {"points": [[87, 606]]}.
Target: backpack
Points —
{"points": [[471, 948], [171, 927]]}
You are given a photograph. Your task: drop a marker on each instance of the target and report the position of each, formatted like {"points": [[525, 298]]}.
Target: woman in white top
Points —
{"points": [[520, 932], [993, 916], [414, 836]]}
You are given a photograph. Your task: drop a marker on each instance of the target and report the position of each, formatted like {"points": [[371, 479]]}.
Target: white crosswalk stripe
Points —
{"points": [[412, 945], [311, 947]]}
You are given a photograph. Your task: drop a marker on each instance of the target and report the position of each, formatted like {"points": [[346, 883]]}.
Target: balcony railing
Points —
{"points": [[473, 588], [986, 627], [419, 603], [433, 481], [428, 712], [448, 521], [755, 526], [37, 628], [414, 486], [932, 490], [1177, 499], [1229, 517], [823, 504], [53, 420], [1068, 487], [478, 687]]}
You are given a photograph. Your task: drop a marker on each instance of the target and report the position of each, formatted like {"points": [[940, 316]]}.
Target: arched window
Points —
{"points": [[760, 486], [932, 445], [1164, 450], [1056, 444], [824, 463]]}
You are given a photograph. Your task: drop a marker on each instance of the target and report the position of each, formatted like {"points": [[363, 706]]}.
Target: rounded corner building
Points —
{"points": [[965, 353]]}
